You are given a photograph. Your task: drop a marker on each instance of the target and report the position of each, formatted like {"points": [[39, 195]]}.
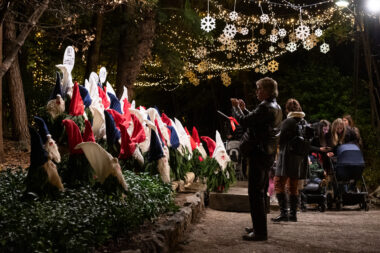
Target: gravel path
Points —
{"points": [[349, 230]]}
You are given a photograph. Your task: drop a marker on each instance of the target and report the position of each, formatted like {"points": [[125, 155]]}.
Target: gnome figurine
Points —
{"points": [[42, 175]]}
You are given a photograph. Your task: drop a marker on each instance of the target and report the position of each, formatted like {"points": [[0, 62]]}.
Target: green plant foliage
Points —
{"points": [[76, 220], [179, 165], [76, 171], [218, 180]]}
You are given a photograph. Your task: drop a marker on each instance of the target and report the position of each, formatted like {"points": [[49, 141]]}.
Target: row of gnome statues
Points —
{"points": [[104, 135]]}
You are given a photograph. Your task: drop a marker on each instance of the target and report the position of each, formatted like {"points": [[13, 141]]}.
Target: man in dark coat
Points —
{"points": [[260, 145]]}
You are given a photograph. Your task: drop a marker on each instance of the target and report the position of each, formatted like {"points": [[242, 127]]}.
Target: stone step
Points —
{"points": [[235, 200]]}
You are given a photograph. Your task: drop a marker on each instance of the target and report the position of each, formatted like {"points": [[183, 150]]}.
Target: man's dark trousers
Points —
{"points": [[259, 165]]}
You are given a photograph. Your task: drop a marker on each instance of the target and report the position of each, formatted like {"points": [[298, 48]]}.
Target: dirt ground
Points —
{"points": [[348, 230], [14, 157]]}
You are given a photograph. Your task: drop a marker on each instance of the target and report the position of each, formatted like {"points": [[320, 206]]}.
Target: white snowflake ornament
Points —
{"points": [[244, 31], [302, 32], [271, 49], [318, 32], [208, 23], [273, 38], [291, 47], [230, 31], [233, 15], [325, 48], [308, 44], [282, 32], [224, 39], [263, 69], [264, 18], [231, 46]]}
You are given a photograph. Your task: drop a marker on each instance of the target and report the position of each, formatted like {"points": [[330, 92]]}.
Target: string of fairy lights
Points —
{"points": [[236, 41]]}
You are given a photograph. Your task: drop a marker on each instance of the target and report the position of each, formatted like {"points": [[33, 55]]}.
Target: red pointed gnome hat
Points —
{"points": [[127, 113], [73, 135], [192, 142], [103, 97], [118, 118], [76, 104], [210, 144], [88, 135], [138, 134], [195, 136], [127, 146], [166, 119]]}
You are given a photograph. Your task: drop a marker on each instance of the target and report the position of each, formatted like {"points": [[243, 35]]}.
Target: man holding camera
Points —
{"points": [[259, 144]]}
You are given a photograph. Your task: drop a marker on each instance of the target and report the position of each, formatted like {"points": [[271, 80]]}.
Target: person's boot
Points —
{"points": [[293, 199], [282, 202]]}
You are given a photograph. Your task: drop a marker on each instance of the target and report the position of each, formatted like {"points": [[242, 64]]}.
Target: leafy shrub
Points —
{"points": [[76, 220]]}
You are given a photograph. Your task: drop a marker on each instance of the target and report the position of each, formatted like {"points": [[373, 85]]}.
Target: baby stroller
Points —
{"points": [[314, 191], [347, 171], [233, 150]]}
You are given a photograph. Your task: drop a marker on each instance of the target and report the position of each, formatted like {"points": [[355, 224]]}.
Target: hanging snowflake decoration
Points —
{"points": [[225, 79], [271, 49], [194, 81], [281, 45], [200, 52], [282, 32], [302, 32], [229, 31], [274, 32], [189, 74], [313, 38], [264, 18], [308, 44], [252, 48], [237, 66], [263, 69], [202, 67], [208, 23], [273, 66], [263, 31], [244, 31], [291, 47], [293, 37], [318, 32], [257, 70], [224, 39], [231, 46], [325, 48], [273, 38], [222, 48], [233, 15], [229, 56]]}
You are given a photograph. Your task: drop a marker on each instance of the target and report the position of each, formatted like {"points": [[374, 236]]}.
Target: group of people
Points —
{"points": [[265, 130]]}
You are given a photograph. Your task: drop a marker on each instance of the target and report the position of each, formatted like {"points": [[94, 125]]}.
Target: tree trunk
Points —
{"points": [[94, 50], [20, 119], [2, 155], [19, 41], [136, 41]]}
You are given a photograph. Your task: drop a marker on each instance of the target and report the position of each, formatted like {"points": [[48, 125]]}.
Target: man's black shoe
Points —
{"points": [[252, 237], [248, 230]]}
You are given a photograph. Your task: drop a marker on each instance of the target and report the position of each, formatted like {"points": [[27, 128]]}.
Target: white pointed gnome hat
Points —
{"points": [[123, 97], [103, 163], [184, 139], [220, 153]]}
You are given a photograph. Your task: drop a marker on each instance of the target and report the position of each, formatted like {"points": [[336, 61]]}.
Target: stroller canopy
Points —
{"points": [[349, 155]]}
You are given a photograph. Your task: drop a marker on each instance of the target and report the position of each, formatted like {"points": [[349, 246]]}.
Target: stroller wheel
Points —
{"points": [[322, 207], [329, 201]]}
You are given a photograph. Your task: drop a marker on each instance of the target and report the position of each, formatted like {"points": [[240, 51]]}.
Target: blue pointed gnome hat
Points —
{"points": [[174, 140], [42, 128], [115, 103], [113, 134], [57, 88], [155, 149], [155, 107], [85, 96], [38, 155]]}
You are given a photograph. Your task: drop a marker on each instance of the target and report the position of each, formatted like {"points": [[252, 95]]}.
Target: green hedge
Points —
{"points": [[76, 220]]}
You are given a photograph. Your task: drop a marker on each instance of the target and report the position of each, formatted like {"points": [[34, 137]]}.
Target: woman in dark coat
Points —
{"points": [[290, 167]]}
